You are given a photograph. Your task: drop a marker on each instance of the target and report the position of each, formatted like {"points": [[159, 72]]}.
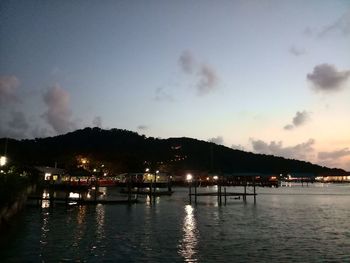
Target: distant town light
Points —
{"points": [[215, 177], [208, 178], [3, 160], [147, 170], [157, 172], [189, 177]]}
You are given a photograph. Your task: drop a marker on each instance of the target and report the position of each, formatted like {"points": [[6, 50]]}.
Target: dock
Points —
{"points": [[221, 192]]}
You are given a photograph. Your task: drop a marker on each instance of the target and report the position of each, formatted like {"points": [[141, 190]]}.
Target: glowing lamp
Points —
{"points": [[189, 177], [3, 160]]}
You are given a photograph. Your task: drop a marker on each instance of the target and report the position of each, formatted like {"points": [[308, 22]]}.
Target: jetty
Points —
{"points": [[221, 193]]}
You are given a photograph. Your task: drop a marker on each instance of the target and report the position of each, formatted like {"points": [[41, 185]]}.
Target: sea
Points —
{"points": [[293, 223]]}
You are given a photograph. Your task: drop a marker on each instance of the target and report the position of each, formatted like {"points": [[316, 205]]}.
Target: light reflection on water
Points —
{"points": [[288, 224], [188, 243]]}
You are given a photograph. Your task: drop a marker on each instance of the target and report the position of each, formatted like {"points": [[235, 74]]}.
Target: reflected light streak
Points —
{"points": [[100, 221], [189, 242]]}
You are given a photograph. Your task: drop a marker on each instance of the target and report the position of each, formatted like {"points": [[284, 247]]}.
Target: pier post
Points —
{"points": [[195, 191], [190, 191], [245, 190], [129, 189], [254, 189], [225, 195], [220, 192]]}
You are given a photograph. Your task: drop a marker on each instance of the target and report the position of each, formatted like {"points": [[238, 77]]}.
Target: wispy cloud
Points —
{"points": [[8, 89], [300, 151], [142, 127], [341, 25], [204, 75], [187, 62], [163, 95], [58, 114], [97, 122], [326, 77], [296, 51], [217, 140], [208, 80]]}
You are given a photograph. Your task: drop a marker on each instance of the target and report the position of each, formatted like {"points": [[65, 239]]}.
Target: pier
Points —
{"points": [[221, 192]]}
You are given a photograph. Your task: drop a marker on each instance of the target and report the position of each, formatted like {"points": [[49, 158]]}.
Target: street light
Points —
{"points": [[189, 177], [3, 160]]}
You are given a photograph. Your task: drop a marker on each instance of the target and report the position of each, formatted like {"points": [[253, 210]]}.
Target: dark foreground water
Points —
{"points": [[288, 224]]}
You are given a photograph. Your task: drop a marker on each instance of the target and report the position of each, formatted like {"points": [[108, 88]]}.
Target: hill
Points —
{"points": [[126, 151]]}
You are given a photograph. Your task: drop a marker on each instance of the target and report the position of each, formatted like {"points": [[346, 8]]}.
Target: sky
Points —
{"points": [[262, 76]]}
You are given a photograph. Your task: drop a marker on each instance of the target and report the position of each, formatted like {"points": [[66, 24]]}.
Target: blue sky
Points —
{"points": [[264, 76]]}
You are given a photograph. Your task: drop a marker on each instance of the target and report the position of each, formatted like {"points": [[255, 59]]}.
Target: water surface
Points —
{"points": [[287, 224]]}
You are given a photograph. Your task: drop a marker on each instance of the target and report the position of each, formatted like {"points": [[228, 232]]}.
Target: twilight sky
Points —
{"points": [[264, 76]]}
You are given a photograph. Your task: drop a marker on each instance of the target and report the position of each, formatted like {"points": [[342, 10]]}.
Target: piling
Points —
{"points": [[225, 195], [254, 189], [195, 191]]}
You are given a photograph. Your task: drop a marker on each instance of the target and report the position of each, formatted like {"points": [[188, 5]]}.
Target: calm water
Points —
{"points": [[288, 224]]}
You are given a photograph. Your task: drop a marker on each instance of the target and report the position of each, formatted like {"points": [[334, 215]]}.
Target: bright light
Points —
{"points": [[47, 176], [208, 178], [3, 160], [189, 177], [147, 170], [215, 177], [94, 170], [157, 172]]}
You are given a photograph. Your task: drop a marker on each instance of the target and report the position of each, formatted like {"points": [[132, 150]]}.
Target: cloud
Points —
{"points": [[163, 95], [334, 154], [341, 25], [237, 147], [297, 51], [97, 122], [289, 127], [299, 119], [17, 126], [18, 121], [39, 132], [208, 80], [326, 77], [58, 113], [299, 151], [204, 75], [217, 140], [8, 88], [187, 62], [142, 127]]}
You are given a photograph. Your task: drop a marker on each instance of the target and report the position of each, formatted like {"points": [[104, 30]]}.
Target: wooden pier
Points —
{"points": [[221, 192]]}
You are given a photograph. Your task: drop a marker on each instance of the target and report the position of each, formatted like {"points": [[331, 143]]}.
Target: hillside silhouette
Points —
{"points": [[127, 151]]}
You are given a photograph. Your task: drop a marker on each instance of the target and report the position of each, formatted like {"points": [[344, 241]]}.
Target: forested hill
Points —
{"points": [[126, 151]]}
